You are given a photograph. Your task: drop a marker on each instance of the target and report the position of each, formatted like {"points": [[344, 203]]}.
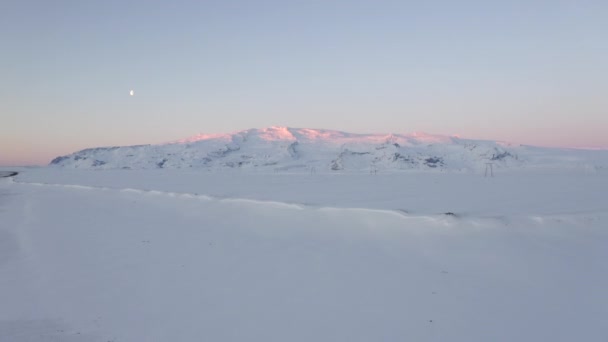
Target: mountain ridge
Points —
{"points": [[279, 148]]}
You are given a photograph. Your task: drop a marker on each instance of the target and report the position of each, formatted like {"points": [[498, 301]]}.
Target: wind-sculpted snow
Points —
{"points": [[178, 255], [437, 219], [415, 194], [309, 150]]}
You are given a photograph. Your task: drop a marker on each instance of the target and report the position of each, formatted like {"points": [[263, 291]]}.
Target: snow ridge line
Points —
{"points": [[288, 205], [444, 219]]}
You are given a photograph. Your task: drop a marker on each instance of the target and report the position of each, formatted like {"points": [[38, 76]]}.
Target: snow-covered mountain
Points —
{"points": [[317, 150]]}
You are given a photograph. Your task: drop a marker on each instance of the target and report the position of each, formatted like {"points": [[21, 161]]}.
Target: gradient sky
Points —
{"points": [[531, 72]]}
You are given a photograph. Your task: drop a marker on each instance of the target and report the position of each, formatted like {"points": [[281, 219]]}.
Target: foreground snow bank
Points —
{"points": [[100, 261]]}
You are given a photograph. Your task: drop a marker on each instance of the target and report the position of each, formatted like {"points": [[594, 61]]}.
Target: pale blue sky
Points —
{"points": [[532, 72]]}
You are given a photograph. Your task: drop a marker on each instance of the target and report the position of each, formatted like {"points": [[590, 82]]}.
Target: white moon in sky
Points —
{"points": [[132, 92]]}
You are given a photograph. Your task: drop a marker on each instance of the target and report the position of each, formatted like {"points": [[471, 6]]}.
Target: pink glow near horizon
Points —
{"points": [[538, 82], [29, 154]]}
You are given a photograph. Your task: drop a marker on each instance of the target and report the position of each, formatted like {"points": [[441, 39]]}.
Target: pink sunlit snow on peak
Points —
{"points": [[429, 138], [288, 149], [202, 136], [274, 133], [319, 134], [287, 134]]}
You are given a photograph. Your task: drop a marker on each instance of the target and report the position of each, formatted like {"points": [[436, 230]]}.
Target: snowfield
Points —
{"points": [[235, 255]]}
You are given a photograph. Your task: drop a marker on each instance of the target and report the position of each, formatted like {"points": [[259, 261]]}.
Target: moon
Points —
{"points": [[132, 92]]}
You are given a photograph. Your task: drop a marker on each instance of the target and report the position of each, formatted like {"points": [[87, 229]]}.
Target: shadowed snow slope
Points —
{"points": [[312, 150]]}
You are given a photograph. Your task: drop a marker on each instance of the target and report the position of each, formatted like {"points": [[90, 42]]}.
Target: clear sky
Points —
{"points": [[531, 72]]}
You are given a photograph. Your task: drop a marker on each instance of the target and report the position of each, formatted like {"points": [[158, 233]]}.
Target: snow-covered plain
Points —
{"points": [[170, 255]]}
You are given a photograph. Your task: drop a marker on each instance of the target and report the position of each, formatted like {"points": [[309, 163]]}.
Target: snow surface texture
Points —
{"points": [[283, 149], [170, 255]]}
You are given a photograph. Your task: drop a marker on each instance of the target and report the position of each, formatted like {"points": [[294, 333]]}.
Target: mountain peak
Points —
{"points": [[280, 148], [283, 133]]}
